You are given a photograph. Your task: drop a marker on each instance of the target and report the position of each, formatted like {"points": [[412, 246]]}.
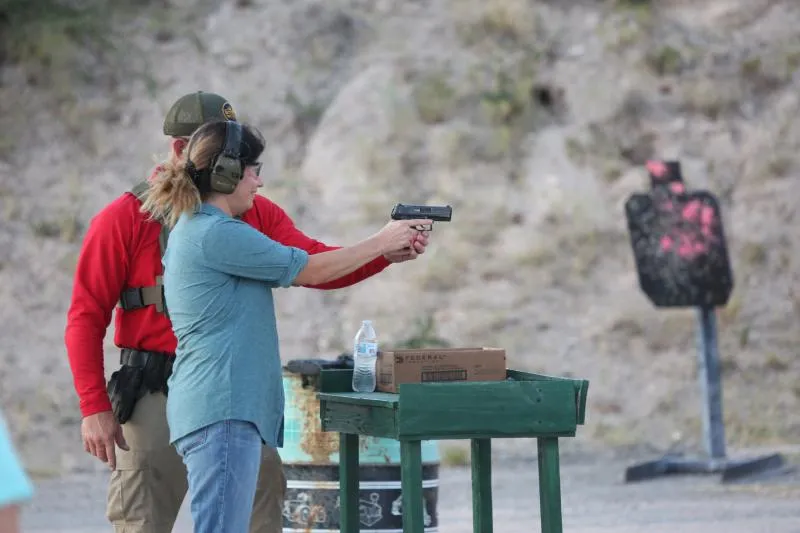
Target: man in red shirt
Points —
{"points": [[120, 266]]}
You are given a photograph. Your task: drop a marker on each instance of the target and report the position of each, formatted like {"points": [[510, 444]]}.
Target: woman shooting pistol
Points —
{"points": [[225, 392]]}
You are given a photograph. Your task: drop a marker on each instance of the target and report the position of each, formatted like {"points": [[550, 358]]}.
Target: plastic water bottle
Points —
{"points": [[365, 356]]}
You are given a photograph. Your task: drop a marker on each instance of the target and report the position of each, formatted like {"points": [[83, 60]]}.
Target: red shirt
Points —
{"points": [[120, 250]]}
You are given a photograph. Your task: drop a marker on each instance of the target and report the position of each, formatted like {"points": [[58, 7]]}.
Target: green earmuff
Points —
{"points": [[227, 168]]}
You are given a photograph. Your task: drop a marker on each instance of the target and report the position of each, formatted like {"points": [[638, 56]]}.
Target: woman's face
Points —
{"points": [[242, 197]]}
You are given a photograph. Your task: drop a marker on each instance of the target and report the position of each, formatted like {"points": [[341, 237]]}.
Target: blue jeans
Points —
{"points": [[222, 461]]}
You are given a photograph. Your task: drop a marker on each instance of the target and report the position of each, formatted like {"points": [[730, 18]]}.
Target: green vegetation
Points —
{"points": [[66, 227], [435, 99], [423, 335], [45, 36], [665, 61], [454, 455], [45, 31]]}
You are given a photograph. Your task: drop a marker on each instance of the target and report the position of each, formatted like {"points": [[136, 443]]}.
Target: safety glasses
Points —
{"points": [[256, 168]]}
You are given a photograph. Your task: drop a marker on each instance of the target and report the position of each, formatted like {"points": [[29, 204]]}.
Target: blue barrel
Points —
{"points": [[311, 464]]}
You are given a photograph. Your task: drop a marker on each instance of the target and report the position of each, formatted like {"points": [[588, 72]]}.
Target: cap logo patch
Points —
{"points": [[228, 112]]}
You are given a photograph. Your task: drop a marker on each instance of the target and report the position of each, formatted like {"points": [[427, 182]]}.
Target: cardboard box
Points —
{"points": [[438, 365]]}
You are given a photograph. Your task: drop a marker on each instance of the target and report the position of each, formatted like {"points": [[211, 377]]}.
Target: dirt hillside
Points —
{"points": [[533, 119]]}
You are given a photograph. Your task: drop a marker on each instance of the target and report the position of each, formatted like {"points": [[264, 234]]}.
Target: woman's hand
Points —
{"points": [[400, 234], [410, 253]]}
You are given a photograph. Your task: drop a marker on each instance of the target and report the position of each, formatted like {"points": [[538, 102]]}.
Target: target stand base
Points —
{"points": [[732, 470]]}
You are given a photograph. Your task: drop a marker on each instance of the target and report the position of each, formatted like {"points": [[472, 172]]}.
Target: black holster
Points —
{"points": [[139, 373]]}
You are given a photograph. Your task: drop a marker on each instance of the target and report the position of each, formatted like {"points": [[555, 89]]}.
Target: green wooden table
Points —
{"points": [[524, 405]]}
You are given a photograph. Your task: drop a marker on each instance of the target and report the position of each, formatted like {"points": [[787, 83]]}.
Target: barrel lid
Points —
{"points": [[312, 367]]}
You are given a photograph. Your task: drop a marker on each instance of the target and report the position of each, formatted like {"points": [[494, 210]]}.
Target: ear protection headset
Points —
{"points": [[226, 168]]}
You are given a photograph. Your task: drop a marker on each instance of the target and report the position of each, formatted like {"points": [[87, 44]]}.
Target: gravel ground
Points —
{"points": [[594, 499]]}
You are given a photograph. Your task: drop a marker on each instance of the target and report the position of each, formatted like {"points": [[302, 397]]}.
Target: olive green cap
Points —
{"points": [[192, 110]]}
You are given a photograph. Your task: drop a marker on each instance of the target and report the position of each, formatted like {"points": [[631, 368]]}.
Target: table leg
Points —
{"points": [[481, 485], [348, 483], [411, 486], [549, 485]]}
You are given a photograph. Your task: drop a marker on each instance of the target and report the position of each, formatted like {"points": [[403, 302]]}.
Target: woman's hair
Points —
{"points": [[179, 187]]}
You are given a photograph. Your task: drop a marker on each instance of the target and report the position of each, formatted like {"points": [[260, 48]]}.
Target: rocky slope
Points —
{"points": [[531, 118]]}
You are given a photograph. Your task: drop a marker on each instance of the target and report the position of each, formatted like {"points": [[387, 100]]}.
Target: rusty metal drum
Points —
{"points": [[311, 464]]}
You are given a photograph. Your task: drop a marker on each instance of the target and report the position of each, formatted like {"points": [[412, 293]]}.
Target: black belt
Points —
{"points": [[131, 357], [140, 372], [156, 367]]}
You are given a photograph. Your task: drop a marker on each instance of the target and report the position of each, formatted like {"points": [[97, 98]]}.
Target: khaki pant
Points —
{"points": [[148, 486]]}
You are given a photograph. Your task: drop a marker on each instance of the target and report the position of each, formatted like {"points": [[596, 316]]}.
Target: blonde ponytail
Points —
{"points": [[171, 193]]}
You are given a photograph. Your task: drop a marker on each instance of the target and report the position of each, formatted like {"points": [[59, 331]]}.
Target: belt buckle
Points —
{"points": [[132, 298], [160, 302]]}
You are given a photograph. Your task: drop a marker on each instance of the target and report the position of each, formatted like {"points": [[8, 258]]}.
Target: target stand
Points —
{"points": [[682, 261]]}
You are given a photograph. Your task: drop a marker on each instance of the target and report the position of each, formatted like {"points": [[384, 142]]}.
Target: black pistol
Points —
{"points": [[437, 213]]}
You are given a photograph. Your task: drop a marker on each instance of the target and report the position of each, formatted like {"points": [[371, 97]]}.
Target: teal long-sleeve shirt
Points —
{"points": [[219, 274]]}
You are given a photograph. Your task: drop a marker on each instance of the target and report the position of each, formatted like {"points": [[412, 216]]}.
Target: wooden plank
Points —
{"points": [[378, 399], [519, 375], [336, 381], [358, 419], [582, 393], [488, 409], [348, 483], [549, 485], [581, 388], [481, 485], [411, 486], [437, 435]]}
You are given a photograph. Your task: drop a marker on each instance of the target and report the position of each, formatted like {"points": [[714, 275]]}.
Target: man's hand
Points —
{"points": [[410, 253], [100, 432]]}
